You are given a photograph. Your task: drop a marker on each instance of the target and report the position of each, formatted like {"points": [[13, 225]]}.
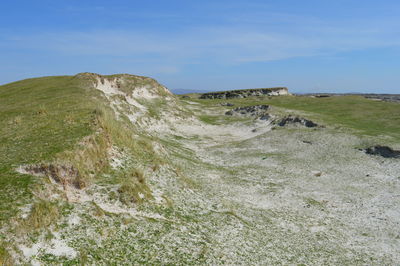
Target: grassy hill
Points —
{"points": [[116, 170], [39, 119], [56, 121]]}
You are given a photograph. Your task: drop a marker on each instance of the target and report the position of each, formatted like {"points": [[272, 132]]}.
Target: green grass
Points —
{"points": [[209, 119], [133, 188], [43, 214], [39, 118], [221, 119], [312, 202], [44, 119], [5, 258], [368, 117]]}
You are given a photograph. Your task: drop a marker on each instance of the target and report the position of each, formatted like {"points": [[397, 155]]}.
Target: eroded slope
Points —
{"points": [[171, 181]]}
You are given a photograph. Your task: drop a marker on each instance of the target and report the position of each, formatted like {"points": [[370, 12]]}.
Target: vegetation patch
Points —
{"points": [[43, 214], [186, 192], [133, 188], [5, 257]]}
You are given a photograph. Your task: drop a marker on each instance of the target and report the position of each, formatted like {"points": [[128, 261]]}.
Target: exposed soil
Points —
{"points": [[61, 174], [244, 93], [258, 111], [296, 120], [383, 151]]}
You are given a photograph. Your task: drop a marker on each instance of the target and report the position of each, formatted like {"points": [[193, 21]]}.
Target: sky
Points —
{"points": [[306, 45]]}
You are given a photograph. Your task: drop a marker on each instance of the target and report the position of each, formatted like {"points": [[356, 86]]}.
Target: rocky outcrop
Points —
{"points": [[296, 120], [245, 93], [257, 111], [383, 151]]}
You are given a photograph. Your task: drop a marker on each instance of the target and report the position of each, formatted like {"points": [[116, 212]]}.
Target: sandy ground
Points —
{"points": [[286, 195], [317, 184]]}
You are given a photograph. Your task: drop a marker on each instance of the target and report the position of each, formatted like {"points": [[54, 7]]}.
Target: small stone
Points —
{"points": [[316, 173]]}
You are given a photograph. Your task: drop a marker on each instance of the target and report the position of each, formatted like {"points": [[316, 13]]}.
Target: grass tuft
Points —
{"points": [[43, 214], [5, 257], [133, 188]]}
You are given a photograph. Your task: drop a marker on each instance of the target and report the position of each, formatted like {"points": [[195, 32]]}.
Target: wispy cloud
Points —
{"points": [[227, 43], [251, 40]]}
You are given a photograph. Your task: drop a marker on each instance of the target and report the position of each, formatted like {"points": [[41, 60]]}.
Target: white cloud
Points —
{"points": [[224, 45]]}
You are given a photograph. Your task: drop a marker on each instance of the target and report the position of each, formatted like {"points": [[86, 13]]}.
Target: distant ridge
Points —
{"points": [[383, 97], [245, 93]]}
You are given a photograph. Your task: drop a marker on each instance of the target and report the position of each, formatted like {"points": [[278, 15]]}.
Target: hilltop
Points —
{"points": [[116, 169]]}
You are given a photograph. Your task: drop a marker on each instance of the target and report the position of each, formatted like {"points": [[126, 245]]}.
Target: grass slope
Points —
{"points": [[39, 118], [44, 119], [369, 117]]}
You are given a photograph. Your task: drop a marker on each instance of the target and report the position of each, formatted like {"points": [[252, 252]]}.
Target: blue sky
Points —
{"points": [[308, 45]]}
